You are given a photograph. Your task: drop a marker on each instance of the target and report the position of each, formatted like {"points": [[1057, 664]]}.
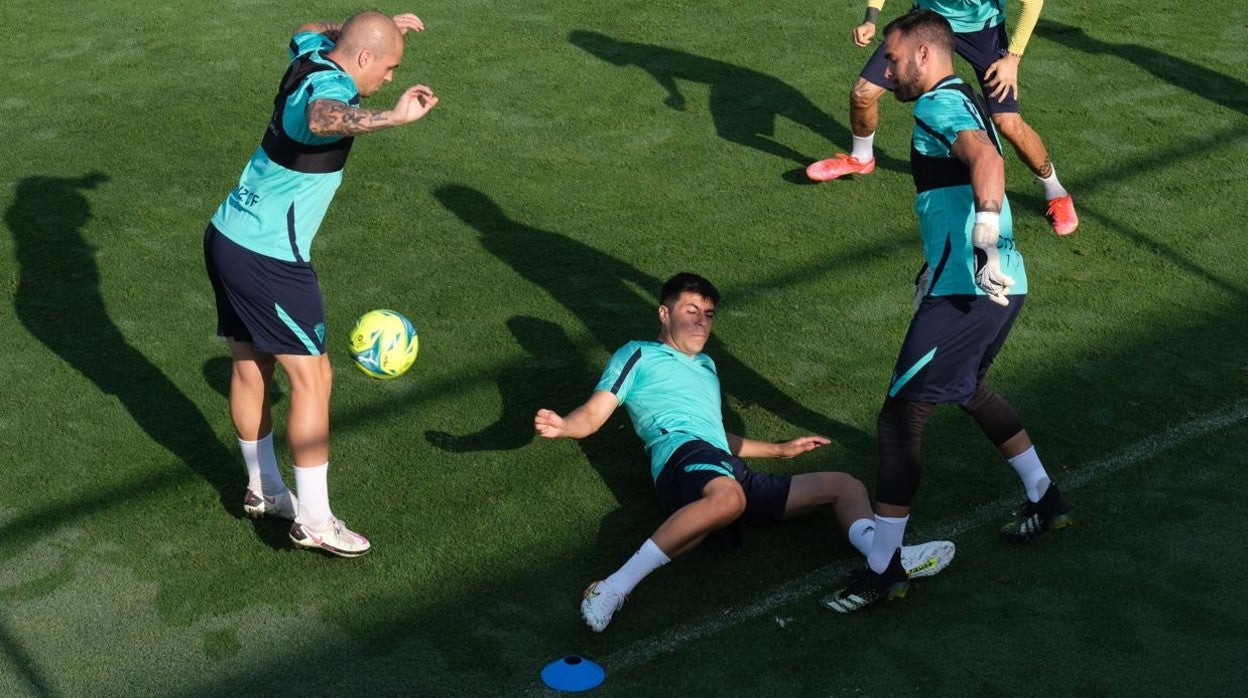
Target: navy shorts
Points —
{"points": [[696, 463], [272, 304], [980, 48], [951, 342]]}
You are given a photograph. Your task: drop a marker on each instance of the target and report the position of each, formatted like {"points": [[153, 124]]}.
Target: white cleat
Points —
{"points": [[335, 538], [283, 505], [600, 602], [926, 559]]}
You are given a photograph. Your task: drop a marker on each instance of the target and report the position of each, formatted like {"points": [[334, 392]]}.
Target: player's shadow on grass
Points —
{"points": [[601, 291], [58, 300], [1195, 78], [744, 103]]}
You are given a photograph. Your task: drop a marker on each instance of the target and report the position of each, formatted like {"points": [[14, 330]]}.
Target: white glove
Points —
{"points": [[988, 275]]}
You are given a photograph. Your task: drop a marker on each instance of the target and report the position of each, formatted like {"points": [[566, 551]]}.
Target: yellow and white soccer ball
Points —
{"points": [[384, 344]]}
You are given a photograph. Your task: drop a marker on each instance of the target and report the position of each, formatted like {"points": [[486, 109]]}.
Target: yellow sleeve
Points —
{"points": [[877, 4], [1025, 25]]}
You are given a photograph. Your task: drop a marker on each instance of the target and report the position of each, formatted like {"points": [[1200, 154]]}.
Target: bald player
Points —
{"points": [[257, 250]]}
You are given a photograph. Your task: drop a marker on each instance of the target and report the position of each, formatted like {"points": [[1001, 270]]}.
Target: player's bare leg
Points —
{"points": [[1031, 150], [864, 116], [722, 502], [251, 382], [311, 380]]}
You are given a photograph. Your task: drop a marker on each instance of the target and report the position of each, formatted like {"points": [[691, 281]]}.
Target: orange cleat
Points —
{"points": [[839, 166], [1061, 215]]}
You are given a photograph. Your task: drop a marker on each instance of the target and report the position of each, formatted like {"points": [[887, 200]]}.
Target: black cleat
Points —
{"points": [[865, 587], [1033, 518]]}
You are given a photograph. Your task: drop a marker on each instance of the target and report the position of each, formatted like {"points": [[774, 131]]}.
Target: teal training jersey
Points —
{"points": [[671, 398], [967, 15], [276, 210], [945, 203]]}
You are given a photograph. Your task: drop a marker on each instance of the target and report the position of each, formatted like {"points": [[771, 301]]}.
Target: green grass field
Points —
{"points": [[583, 152]]}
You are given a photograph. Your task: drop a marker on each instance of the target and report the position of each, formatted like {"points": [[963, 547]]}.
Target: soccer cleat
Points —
{"points": [[335, 538], [600, 601], [839, 166], [283, 505], [926, 559], [1062, 216], [1033, 518], [866, 587]]}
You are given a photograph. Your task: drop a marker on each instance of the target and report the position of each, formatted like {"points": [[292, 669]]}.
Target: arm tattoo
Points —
{"points": [[327, 117], [989, 206], [982, 137]]}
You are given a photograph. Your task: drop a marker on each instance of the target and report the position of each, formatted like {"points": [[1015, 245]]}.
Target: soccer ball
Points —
{"points": [[383, 344]]}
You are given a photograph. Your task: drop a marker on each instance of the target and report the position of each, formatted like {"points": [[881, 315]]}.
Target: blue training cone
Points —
{"points": [[573, 673]]}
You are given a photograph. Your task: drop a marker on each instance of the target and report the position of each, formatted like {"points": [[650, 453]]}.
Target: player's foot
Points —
{"points": [[283, 505], [1033, 518], [335, 538], [1062, 216], [865, 587], [839, 166], [599, 603], [926, 559]]}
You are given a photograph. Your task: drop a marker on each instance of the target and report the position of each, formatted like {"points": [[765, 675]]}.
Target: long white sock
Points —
{"points": [[263, 477], [1052, 188], [647, 559], [312, 487], [864, 148], [1031, 472], [861, 534], [889, 532]]}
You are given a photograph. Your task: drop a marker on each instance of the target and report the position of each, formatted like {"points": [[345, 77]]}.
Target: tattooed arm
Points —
{"points": [[327, 117], [975, 149], [329, 29]]}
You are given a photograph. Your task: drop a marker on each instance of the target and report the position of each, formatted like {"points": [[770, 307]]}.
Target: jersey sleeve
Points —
{"points": [[331, 84], [620, 375], [307, 42], [1025, 25], [940, 115]]}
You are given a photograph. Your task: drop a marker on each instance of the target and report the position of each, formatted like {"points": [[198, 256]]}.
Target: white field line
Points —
{"points": [[809, 584]]}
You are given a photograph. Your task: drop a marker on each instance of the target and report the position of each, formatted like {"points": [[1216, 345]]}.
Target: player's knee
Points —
{"points": [[1009, 124], [727, 501], [864, 94]]}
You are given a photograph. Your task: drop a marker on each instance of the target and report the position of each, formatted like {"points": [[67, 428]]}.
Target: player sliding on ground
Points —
{"points": [[979, 37], [671, 391], [966, 304]]}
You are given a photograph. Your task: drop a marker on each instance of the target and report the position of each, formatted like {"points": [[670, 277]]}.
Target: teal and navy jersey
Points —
{"points": [[967, 15], [672, 398], [287, 185], [945, 202]]}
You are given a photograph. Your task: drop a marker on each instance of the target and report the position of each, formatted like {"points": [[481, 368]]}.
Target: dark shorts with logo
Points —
{"points": [[951, 342], [696, 463], [981, 49], [273, 304]]}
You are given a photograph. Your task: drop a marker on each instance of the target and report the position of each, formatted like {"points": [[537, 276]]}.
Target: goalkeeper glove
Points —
{"points": [[988, 275]]}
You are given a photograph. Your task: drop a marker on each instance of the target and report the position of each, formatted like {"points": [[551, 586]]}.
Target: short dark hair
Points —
{"points": [[686, 281], [928, 26]]}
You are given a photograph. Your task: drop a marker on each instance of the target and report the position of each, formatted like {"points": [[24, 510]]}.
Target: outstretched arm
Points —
{"points": [[328, 117], [581, 422], [749, 448]]}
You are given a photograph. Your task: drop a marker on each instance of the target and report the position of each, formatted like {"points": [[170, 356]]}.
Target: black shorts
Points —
{"points": [[696, 463], [951, 342], [274, 305], [980, 48]]}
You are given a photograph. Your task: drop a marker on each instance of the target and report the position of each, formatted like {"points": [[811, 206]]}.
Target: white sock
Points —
{"points": [[1052, 188], [861, 534], [647, 559], [864, 148], [1031, 472], [889, 532], [312, 487], [263, 477]]}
